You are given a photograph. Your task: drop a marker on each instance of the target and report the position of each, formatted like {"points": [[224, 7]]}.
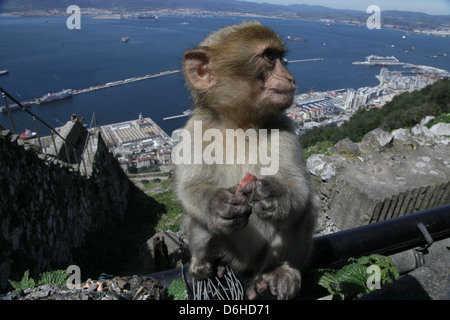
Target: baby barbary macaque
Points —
{"points": [[240, 87]]}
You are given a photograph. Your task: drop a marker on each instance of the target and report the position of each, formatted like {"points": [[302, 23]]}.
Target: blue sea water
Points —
{"points": [[42, 55]]}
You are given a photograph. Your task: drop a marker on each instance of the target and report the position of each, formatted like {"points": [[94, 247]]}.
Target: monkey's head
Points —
{"points": [[238, 72]]}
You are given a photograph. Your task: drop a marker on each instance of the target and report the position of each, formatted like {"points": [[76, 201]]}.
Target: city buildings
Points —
{"points": [[138, 143], [335, 107]]}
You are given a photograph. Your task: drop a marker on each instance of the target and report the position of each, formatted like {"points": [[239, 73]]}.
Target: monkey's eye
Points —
{"points": [[270, 56]]}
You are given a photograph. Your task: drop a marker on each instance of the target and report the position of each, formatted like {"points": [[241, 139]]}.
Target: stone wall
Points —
{"points": [[47, 207], [385, 176]]}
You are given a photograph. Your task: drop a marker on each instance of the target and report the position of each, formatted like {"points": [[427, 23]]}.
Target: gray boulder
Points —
{"points": [[441, 129]]}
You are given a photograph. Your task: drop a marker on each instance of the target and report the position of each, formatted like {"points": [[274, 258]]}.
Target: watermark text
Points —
{"points": [[74, 21], [374, 21], [254, 147]]}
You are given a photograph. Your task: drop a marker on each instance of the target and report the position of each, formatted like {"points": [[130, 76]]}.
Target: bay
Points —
{"points": [[42, 55]]}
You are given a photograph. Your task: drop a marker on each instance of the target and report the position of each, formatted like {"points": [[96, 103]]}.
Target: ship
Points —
{"points": [[146, 16], [374, 60], [50, 97], [125, 39], [3, 72], [296, 39], [14, 107]]}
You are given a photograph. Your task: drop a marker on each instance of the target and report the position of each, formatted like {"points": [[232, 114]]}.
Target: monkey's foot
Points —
{"points": [[284, 282], [202, 269]]}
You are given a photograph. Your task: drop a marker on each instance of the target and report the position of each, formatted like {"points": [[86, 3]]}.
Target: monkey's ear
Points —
{"points": [[197, 67]]}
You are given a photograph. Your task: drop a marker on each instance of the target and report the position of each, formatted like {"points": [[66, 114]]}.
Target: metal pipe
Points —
{"points": [[9, 113], [385, 238], [38, 135]]}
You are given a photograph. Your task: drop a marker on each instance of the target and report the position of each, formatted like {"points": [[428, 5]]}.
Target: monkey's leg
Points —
{"points": [[284, 282], [204, 253]]}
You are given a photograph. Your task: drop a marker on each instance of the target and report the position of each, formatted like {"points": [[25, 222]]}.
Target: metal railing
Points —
{"points": [[53, 131]]}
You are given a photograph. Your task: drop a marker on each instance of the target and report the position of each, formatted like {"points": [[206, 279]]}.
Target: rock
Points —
{"points": [[441, 129], [403, 140], [346, 147], [402, 134], [317, 165], [394, 175], [427, 119], [165, 250], [119, 288], [419, 130], [376, 140]]}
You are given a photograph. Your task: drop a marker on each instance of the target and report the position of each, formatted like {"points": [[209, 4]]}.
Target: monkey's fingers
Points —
{"points": [[232, 225], [230, 211], [236, 200]]}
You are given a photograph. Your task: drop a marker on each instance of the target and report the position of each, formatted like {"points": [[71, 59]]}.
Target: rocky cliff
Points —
{"points": [[384, 176]]}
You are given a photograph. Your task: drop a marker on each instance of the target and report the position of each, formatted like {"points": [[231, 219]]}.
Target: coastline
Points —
{"points": [[106, 14]]}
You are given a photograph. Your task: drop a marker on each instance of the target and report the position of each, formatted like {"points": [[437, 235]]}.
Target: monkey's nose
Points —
{"points": [[291, 79]]}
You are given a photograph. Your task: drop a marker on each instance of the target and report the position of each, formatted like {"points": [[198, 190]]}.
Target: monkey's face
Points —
{"points": [[277, 83], [238, 70]]}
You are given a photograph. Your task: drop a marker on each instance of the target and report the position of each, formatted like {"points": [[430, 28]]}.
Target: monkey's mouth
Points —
{"points": [[283, 92]]}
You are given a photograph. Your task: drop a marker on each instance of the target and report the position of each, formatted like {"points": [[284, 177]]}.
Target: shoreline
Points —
{"points": [[105, 14]]}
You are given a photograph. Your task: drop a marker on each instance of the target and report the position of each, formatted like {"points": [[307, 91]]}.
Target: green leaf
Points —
{"points": [[177, 290], [58, 277], [25, 283]]}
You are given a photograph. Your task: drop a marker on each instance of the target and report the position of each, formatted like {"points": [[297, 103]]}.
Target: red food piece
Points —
{"points": [[247, 179]]}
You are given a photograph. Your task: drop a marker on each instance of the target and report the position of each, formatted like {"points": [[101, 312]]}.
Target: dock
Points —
{"points": [[110, 85], [306, 60], [186, 113], [121, 82]]}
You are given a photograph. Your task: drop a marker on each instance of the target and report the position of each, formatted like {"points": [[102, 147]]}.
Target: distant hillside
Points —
{"points": [[406, 20]]}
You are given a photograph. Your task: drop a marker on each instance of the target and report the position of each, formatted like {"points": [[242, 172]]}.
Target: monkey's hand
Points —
{"points": [[229, 212], [269, 198]]}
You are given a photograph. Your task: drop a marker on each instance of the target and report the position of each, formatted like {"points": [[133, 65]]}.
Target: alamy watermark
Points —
{"points": [[374, 21], [74, 21], [374, 280], [237, 147], [74, 280]]}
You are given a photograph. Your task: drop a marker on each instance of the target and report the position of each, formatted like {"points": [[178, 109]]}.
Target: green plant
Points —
{"points": [[177, 290], [444, 118], [172, 219], [351, 280], [25, 283], [58, 277]]}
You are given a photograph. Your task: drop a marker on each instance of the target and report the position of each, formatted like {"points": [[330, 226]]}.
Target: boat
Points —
{"points": [[374, 60], [27, 135], [3, 72], [50, 97], [125, 39], [146, 16], [296, 39]]}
